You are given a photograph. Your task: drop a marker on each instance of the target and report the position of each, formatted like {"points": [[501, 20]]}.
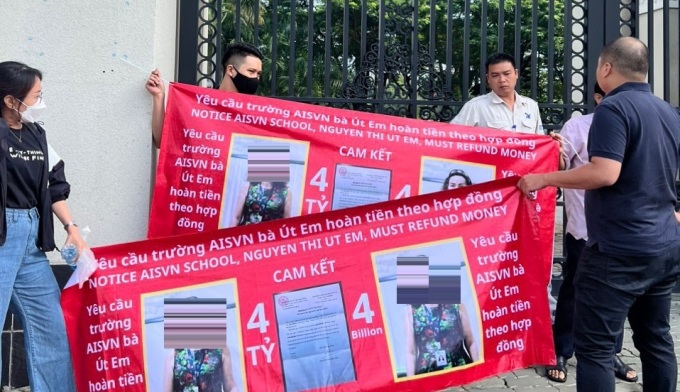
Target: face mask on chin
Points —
{"points": [[32, 113], [244, 84]]}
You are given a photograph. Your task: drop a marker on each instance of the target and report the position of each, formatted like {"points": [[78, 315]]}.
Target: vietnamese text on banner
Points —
{"points": [[315, 303], [231, 160]]}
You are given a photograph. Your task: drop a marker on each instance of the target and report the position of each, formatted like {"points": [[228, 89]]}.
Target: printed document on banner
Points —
{"points": [[358, 186], [314, 338]]}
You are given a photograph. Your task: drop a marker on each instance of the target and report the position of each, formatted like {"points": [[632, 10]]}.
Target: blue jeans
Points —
{"points": [[609, 287], [564, 314], [29, 289]]}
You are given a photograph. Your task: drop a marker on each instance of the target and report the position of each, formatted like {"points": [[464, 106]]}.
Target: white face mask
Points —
{"points": [[32, 113]]}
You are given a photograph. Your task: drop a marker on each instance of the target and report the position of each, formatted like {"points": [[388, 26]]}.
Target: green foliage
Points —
{"points": [[313, 59]]}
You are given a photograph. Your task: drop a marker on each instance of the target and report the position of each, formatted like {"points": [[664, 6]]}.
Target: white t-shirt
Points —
{"points": [[490, 111]]}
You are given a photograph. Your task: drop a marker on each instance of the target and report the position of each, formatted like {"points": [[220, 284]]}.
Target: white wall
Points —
{"points": [[98, 111]]}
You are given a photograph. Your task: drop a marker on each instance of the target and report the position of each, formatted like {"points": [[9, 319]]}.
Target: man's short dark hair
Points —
{"points": [[628, 55], [598, 90], [498, 58], [235, 53]]}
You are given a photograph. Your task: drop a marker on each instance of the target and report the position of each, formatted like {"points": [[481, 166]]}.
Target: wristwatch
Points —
{"points": [[66, 226]]}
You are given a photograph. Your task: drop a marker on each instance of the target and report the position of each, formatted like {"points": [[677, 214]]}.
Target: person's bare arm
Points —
{"points": [[288, 205], [410, 342], [155, 86], [167, 370], [562, 163], [599, 172], [229, 383], [62, 212], [470, 342], [240, 204]]}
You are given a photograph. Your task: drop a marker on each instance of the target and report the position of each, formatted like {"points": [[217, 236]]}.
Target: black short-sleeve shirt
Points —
{"points": [[25, 166], [635, 215]]}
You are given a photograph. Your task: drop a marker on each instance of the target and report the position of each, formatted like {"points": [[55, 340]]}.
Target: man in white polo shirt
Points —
{"points": [[502, 108]]}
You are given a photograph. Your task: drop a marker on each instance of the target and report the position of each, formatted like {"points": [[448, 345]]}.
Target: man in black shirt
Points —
{"points": [[631, 261]]}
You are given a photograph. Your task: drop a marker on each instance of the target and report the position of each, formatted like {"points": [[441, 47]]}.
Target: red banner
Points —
{"points": [[311, 303], [337, 159]]}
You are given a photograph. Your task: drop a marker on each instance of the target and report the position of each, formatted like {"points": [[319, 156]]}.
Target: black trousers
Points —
{"points": [[609, 287], [564, 314]]}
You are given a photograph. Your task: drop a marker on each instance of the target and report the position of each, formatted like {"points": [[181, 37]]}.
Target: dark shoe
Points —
{"points": [[560, 367], [621, 370]]}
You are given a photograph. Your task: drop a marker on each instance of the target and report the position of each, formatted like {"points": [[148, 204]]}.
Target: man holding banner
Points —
{"points": [[631, 260], [242, 64], [503, 108]]}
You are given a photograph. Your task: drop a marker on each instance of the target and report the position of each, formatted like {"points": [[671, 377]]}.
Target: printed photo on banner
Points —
{"points": [[264, 180], [192, 339], [430, 306], [439, 174], [359, 186], [314, 340]]}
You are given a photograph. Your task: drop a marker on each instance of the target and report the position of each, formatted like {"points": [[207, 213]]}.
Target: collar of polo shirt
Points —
{"points": [[518, 98]]}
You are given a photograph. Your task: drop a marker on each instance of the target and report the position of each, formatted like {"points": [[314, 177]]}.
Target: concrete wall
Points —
{"points": [[98, 111]]}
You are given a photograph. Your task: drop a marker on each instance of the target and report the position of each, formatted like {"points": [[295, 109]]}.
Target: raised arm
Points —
{"points": [[155, 87]]}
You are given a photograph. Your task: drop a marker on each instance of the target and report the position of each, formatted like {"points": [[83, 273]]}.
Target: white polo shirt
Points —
{"points": [[490, 111]]}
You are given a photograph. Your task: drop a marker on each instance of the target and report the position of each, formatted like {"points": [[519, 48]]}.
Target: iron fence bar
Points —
{"points": [[293, 39], [466, 52], [518, 39], [650, 41], [433, 31], [237, 18], [345, 43], [596, 39], [364, 21], [449, 45], [534, 50], [380, 78], [482, 45], [219, 72], [501, 25], [310, 45], [415, 50], [275, 43], [256, 23], [666, 50], [187, 42], [327, 52], [551, 50], [568, 42]]}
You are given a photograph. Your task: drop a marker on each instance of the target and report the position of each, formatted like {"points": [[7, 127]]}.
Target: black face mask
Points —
{"points": [[244, 84]]}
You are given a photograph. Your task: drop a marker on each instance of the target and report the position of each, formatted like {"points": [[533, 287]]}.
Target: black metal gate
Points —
{"points": [[423, 58], [414, 58]]}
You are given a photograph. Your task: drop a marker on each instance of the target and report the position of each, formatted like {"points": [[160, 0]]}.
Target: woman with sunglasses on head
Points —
{"points": [[32, 188]]}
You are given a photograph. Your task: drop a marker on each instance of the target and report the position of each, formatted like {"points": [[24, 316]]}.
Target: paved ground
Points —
{"points": [[533, 379]]}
